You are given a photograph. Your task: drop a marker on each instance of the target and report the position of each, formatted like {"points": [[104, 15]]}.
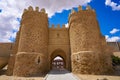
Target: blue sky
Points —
{"points": [[108, 19], [108, 15]]}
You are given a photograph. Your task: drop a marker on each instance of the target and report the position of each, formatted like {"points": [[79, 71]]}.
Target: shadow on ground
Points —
{"points": [[58, 72], [3, 72]]}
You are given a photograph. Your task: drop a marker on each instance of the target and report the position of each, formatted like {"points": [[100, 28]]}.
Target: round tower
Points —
{"points": [[32, 52], [84, 30], [86, 42]]}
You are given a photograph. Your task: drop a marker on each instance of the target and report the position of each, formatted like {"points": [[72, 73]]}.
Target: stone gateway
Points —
{"points": [[83, 48]]}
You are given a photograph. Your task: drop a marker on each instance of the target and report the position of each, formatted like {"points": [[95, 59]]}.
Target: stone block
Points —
{"points": [[27, 64]]}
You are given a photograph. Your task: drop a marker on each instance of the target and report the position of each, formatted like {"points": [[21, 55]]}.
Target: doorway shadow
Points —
{"points": [[58, 71], [3, 72]]}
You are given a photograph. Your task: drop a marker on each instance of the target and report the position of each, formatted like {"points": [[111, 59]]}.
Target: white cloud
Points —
{"points": [[114, 30], [112, 39], [12, 9], [53, 6], [66, 25], [115, 6]]}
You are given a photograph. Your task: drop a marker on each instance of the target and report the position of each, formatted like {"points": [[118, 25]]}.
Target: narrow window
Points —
{"points": [[11, 47], [58, 35], [38, 61], [77, 58]]}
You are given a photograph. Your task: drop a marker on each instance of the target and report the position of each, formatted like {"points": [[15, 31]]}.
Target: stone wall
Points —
{"points": [[5, 51], [13, 55], [85, 36], [84, 31], [25, 67], [59, 44], [81, 45], [85, 62], [33, 38], [115, 46], [34, 32]]}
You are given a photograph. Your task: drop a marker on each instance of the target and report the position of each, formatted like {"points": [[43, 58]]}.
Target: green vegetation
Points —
{"points": [[115, 60]]}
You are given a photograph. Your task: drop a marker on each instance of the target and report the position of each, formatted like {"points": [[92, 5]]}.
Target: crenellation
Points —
{"points": [[80, 8], [63, 26], [25, 10], [58, 26], [37, 9], [88, 8], [85, 25], [30, 8], [34, 12], [53, 26], [87, 14], [73, 11], [82, 45], [43, 10]]}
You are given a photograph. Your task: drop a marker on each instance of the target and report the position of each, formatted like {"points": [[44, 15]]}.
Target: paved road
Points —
{"points": [[60, 75]]}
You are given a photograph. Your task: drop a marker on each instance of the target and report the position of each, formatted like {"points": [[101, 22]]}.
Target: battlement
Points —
{"points": [[34, 15], [57, 27], [88, 8], [30, 8], [84, 16], [80, 10], [81, 45]]}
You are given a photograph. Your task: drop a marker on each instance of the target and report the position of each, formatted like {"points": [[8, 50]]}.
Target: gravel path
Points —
{"points": [[60, 75]]}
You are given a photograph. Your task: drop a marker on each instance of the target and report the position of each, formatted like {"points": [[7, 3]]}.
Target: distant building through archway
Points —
{"points": [[58, 60], [58, 63]]}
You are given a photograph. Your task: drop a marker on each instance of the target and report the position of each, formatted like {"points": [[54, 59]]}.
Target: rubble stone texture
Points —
{"points": [[5, 50], [82, 46], [12, 55], [88, 46], [29, 64]]}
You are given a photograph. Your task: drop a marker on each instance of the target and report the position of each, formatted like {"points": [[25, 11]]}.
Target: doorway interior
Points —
{"points": [[58, 63]]}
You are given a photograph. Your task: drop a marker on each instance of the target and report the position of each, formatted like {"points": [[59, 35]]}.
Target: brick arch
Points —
{"points": [[58, 52]]}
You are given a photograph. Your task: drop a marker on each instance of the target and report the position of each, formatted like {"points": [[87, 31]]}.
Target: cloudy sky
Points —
{"points": [[108, 15]]}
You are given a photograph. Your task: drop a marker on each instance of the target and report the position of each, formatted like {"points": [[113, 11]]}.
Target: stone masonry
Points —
{"points": [[82, 46], [88, 46]]}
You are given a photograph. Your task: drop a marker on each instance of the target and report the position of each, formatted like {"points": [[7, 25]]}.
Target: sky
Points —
{"points": [[108, 15]]}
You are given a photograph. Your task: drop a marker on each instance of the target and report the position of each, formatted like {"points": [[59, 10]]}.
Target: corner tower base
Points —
{"points": [[89, 62], [29, 63]]}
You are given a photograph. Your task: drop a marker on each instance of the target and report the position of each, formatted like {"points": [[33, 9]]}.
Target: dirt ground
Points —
{"points": [[97, 77], [115, 76], [4, 77], [82, 77]]}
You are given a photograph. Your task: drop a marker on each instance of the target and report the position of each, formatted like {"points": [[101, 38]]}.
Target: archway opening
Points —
{"points": [[58, 63], [58, 59]]}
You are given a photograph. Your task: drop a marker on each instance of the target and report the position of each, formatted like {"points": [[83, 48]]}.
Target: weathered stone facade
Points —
{"points": [[5, 51], [81, 46], [88, 46]]}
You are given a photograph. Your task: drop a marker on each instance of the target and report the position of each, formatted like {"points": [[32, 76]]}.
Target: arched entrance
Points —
{"points": [[58, 59]]}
